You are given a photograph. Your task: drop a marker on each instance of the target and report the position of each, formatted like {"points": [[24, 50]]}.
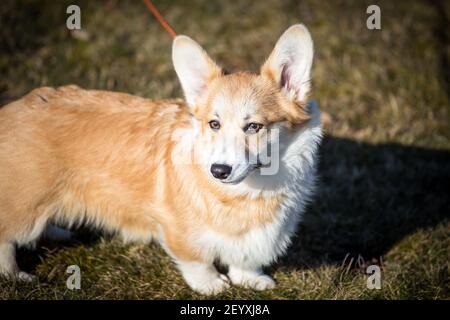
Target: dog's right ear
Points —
{"points": [[194, 68], [289, 64]]}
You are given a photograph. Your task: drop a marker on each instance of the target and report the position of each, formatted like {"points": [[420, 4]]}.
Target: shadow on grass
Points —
{"points": [[29, 258], [369, 198]]}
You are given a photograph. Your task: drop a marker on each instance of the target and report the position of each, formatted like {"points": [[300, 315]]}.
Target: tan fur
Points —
{"points": [[272, 105], [75, 154]]}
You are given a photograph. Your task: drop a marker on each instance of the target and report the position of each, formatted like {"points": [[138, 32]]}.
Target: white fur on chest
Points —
{"points": [[260, 246], [264, 244]]}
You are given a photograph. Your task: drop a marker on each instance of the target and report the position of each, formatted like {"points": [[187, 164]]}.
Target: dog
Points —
{"points": [[193, 174]]}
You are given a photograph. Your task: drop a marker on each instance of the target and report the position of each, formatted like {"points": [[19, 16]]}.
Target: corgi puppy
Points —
{"points": [[194, 175]]}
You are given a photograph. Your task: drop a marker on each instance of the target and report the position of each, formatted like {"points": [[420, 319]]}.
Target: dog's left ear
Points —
{"points": [[289, 64], [194, 68]]}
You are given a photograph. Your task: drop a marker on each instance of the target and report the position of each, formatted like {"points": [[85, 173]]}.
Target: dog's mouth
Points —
{"points": [[240, 175], [234, 181]]}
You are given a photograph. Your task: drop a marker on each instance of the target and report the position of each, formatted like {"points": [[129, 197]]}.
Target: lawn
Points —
{"points": [[384, 165]]}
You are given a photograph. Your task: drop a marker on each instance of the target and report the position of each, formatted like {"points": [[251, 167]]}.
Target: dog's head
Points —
{"points": [[239, 117]]}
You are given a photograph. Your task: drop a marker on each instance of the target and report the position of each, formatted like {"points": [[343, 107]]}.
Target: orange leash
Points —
{"points": [[160, 18]]}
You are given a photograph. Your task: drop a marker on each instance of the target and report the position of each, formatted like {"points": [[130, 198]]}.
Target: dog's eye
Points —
{"points": [[214, 124], [253, 127]]}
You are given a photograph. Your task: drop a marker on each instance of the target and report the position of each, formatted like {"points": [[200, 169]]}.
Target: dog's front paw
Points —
{"points": [[210, 286], [204, 278], [251, 279], [262, 282]]}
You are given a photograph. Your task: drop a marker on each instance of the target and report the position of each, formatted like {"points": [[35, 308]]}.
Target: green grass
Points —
{"points": [[384, 166]]}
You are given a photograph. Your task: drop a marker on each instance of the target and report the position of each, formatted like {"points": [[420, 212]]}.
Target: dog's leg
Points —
{"points": [[250, 278], [203, 277], [8, 265]]}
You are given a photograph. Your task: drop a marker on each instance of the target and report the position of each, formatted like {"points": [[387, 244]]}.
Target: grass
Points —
{"points": [[385, 162]]}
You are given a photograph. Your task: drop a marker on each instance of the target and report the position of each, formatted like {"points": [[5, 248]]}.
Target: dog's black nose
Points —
{"points": [[220, 171]]}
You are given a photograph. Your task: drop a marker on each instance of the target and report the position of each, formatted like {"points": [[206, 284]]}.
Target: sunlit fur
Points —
{"points": [[70, 155]]}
